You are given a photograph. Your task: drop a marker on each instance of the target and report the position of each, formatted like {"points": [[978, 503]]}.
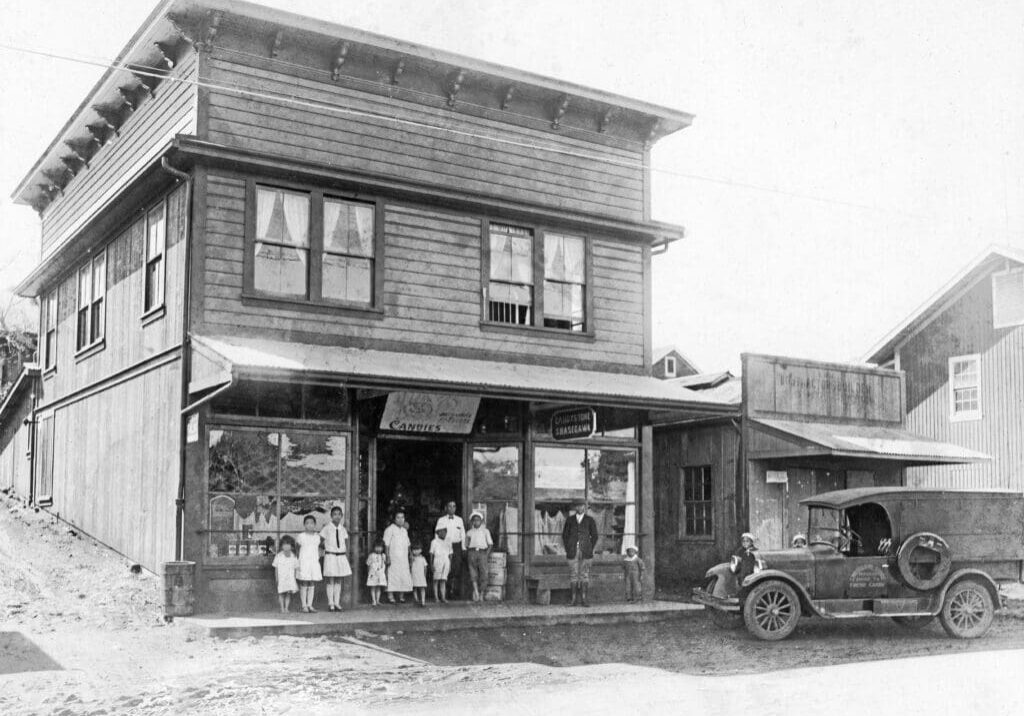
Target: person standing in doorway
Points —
{"points": [[579, 537], [336, 565], [455, 536], [478, 545], [396, 545]]}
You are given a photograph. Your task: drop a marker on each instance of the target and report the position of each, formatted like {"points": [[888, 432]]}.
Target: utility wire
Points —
{"points": [[158, 73]]}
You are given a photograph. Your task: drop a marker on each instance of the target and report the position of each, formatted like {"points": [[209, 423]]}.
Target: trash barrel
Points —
{"points": [[495, 590], [179, 588]]}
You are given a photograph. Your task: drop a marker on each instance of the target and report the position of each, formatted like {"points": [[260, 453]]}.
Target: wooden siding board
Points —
{"points": [[173, 109]]}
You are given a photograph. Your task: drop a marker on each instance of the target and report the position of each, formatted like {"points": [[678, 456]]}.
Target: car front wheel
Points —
{"points": [[771, 610], [967, 610]]}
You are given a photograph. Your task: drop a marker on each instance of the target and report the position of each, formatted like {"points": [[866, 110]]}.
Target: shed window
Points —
{"points": [[156, 244], [50, 331], [697, 509], [1008, 298], [92, 289], [965, 387], [670, 367]]}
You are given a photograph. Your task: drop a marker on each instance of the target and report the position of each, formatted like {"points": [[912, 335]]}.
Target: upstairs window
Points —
{"points": [[965, 387], [331, 260], [698, 505], [50, 331], [520, 264], [156, 245], [92, 285], [670, 367], [1008, 298]]}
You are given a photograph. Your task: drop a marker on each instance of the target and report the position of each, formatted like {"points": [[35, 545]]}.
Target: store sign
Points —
{"points": [[573, 423], [777, 477], [430, 413]]}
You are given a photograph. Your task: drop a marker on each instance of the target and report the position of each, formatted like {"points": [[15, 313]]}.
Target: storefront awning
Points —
{"points": [[269, 359], [813, 439]]}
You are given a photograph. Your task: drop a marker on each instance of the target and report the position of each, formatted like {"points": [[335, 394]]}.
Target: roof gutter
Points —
{"points": [[661, 245]]}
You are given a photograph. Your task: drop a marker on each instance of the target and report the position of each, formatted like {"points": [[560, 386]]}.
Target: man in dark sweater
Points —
{"points": [[579, 537]]}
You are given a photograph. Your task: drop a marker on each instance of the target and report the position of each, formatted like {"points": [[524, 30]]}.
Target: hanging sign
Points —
{"points": [[573, 423], [777, 477], [430, 413]]}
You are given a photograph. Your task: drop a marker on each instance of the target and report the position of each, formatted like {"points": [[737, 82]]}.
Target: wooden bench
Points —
{"points": [[539, 588]]}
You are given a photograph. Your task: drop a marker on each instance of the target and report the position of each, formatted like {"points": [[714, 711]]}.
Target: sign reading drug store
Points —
{"points": [[430, 413], [573, 423]]}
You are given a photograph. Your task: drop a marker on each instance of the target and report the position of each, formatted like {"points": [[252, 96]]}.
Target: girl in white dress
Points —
{"points": [[336, 565], [376, 572], [286, 565], [309, 562], [396, 542]]}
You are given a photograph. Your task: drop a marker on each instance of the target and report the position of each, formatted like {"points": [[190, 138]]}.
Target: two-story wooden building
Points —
{"points": [[963, 354], [288, 264]]}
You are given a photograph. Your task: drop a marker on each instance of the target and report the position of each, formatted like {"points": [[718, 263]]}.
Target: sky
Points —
{"points": [[846, 160]]}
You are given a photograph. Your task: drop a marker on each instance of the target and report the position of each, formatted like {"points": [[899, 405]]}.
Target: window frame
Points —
{"points": [[999, 317], [49, 327], [161, 303], [313, 299], [694, 470], [44, 445], [88, 312], [964, 415], [539, 234], [670, 372]]}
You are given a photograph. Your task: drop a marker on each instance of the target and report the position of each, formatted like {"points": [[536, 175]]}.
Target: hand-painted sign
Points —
{"points": [[573, 423], [430, 413]]}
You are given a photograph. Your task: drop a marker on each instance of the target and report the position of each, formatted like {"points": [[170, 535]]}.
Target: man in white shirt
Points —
{"points": [[455, 536]]}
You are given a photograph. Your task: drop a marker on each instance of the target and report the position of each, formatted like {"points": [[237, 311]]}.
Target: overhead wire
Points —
{"points": [[163, 74]]}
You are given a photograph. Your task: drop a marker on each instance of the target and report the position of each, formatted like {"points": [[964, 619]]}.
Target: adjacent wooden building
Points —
{"points": [[288, 265], [963, 356]]}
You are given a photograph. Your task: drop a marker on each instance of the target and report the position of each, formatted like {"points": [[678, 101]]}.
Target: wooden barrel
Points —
{"points": [[496, 569], [179, 588]]}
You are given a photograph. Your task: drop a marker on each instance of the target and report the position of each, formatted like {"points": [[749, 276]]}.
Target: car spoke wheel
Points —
{"points": [[771, 610], [967, 610]]}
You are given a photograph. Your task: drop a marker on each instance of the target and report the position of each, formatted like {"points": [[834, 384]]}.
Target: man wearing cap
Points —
{"points": [[478, 547], [579, 537], [455, 536]]}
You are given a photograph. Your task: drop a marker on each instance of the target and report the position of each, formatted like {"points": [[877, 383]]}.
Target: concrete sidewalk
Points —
{"points": [[435, 617]]}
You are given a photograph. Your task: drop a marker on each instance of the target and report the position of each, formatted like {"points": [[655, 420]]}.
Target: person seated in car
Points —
{"points": [[744, 558], [799, 541]]}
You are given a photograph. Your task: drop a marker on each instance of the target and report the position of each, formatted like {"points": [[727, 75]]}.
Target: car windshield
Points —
{"points": [[824, 524]]}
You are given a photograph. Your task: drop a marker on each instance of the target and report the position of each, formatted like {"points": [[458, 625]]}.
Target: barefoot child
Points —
{"points": [[309, 562], [336, 565], [286, 566], [440, 563], [478, 546], [633, 571], [376, 572], [419, 576]]}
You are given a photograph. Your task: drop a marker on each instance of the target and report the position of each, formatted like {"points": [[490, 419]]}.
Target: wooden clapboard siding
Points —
{"points": [[431, 293], [115, 472], [144, 134], [966, 328], [14, 447], [127, 340], [580, 176]]}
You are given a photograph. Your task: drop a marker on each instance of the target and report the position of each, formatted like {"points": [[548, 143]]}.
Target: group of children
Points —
{"points": [[298, 568]]}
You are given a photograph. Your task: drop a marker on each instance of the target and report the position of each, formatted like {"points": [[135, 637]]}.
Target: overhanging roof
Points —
{"points": [[29, 371], [987, 261], [260, 358], [870, 442]]}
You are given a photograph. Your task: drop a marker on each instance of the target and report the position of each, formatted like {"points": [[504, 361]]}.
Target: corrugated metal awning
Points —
{"points": [[872, 442], [258, 358]]}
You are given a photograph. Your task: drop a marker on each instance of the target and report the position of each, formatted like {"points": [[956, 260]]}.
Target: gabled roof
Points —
{"points": [[991, 259], [660, 353]]}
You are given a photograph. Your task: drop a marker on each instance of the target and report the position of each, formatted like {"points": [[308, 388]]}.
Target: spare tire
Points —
{"points": [[923, 561]]}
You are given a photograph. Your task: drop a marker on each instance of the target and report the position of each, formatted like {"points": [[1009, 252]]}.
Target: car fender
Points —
{"points": [[778, 574], [960, 574], [717, 570]]}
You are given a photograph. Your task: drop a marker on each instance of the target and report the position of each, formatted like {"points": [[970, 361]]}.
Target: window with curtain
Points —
{"points": [[262, 484], [156, 244], [510, 291], [348, 251], [281, 265], [603, 477], [697, 508], [565, 282], [92, 290]]}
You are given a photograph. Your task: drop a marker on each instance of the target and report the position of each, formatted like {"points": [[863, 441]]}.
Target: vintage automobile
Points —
{"points": [[904, 553]]}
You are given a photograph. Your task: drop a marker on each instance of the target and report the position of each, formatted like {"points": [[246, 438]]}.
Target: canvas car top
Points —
{"points": [[841, 499]]}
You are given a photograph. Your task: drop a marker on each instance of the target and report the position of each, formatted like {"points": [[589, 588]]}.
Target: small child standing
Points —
{"points": [[633, 571], [376, 572], [440, 564], [418, 565], [286, 566], [309, 562]]}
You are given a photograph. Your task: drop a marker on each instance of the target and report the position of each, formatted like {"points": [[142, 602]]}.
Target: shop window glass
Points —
{"points": [[263, 483], [605, 478], [496, 479]]}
